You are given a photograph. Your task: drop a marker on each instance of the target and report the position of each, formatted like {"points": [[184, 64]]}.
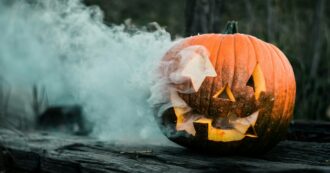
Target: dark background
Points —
{"points": [[300, 28]]}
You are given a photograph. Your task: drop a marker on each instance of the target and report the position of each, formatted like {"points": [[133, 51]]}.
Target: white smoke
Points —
{"points": [[181, 71], [64, 46]]}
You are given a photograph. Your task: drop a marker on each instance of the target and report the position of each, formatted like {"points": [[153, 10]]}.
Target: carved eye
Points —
{"points": [[225, 93], [257, 81]]}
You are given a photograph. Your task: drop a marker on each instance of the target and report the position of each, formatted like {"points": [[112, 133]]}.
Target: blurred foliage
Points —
{"points": [[168, 14]]}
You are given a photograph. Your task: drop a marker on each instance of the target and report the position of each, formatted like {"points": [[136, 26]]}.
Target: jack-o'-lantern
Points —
{"points": [[225, 93]]}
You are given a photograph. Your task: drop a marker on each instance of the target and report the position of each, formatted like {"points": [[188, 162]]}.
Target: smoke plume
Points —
{"points": [[65, 47]]}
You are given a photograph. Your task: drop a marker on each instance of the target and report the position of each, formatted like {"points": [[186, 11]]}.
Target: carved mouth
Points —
{"points": [[224, 129], [229, 114]]}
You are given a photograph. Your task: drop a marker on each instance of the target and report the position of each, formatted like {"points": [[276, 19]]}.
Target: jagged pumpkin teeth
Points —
{"points": [[230, 93], [238, 132]]}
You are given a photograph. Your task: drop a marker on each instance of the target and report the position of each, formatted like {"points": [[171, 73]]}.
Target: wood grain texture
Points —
{"points": [[46, 152]]}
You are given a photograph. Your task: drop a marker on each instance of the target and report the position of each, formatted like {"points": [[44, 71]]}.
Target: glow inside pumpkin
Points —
{"points": [[196, 69], [225, 91]]}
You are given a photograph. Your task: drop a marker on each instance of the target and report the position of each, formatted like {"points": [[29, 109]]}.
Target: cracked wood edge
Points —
{"points": [[53, 153]]}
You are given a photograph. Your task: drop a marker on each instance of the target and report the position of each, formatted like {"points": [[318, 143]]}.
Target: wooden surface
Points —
{"points": [[44, 152], [312, 131]]}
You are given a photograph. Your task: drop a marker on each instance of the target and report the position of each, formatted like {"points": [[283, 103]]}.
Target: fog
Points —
{"points": [[66, 48]]}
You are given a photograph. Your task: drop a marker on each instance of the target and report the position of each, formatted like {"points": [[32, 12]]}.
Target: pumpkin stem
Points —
{"points": [[231, 27]]}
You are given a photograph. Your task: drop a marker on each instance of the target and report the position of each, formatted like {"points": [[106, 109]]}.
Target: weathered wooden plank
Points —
{"points": [[303, 130], [38, 152]]}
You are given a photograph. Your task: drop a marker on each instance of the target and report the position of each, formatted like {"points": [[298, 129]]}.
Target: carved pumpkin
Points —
{"points": [[225, 93]]}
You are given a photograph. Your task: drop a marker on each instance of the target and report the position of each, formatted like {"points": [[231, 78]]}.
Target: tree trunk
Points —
{"points": [[317, 39], [251, 16], [270, 21], [202, 16]]}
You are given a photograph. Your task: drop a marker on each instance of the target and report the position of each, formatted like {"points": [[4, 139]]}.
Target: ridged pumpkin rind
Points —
{"points": [[234, 57]]}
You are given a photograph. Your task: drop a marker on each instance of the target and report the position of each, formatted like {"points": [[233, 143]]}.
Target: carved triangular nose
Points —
{"points": [[225, 93]]}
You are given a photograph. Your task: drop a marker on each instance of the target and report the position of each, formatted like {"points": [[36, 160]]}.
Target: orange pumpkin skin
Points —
{"points": [[235, 58]]}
